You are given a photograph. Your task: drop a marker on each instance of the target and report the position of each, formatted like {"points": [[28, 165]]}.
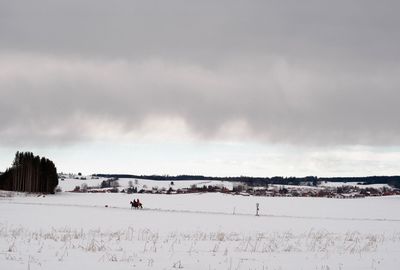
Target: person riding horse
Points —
{"points": [[136, 204]]}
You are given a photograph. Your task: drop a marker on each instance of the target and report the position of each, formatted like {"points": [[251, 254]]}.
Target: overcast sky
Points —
{"points": [[207, 87]]}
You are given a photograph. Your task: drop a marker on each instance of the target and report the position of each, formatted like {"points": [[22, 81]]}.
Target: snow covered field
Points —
{"points": [[69, 184], [352, 184], [197, 231]]}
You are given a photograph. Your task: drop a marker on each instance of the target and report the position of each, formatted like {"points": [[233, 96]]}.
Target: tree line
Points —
{"points": [[264, 181], [30, 173]]}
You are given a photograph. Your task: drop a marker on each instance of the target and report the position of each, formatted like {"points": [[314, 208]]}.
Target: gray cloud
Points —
{"points": [[320, 73]]}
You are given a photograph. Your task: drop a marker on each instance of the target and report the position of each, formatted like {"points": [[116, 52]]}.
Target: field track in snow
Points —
{"points": [[205, 212]]}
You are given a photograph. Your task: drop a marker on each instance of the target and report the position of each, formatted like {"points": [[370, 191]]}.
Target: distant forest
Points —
{"points": [[262, 181], [30, 173]]}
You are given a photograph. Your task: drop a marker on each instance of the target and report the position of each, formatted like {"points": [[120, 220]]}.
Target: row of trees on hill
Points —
{"points": [[30, 173], [394, 181]]}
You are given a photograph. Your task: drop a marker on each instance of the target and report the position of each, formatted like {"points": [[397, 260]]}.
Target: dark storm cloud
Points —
{"points": [[322, 72]]}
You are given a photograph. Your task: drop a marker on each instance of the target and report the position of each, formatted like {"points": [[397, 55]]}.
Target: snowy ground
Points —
{"points": [[353, 184], [198, 231], [69, 184]]}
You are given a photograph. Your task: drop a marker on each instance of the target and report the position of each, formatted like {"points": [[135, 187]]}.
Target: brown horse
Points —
{"points": [[136, 204]]}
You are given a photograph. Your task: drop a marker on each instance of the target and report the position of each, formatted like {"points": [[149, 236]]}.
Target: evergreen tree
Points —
{"points": [[30, 173]]}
